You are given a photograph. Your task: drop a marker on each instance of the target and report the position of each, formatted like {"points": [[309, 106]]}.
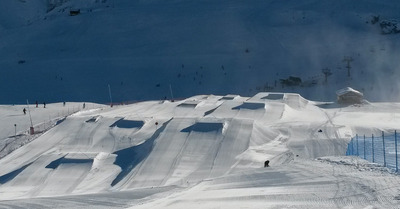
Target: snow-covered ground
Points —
{"points": [[15, 126], [141, 48], [205, 151]]}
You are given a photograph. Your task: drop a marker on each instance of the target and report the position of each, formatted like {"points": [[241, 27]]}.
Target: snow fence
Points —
{"points": [[381, 149]]}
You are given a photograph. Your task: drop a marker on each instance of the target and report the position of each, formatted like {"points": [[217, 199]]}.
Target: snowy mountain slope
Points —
{"points": [[204, 149], [141, 48], [18, 13], [15, 126]]}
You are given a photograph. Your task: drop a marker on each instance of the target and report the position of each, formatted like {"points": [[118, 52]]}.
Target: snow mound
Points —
{"points": [[160, 144]]}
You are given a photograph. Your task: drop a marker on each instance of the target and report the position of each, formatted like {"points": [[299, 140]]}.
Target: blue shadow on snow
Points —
{"points": [[204, 127], [274, 96], [191, 105], [130, 157], [63, 160], [10, 176], [122, 123], [210, 111], [250, 106]]}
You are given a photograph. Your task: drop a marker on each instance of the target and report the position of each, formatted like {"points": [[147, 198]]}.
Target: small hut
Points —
{"points": [[74, 12], [349, 96]]}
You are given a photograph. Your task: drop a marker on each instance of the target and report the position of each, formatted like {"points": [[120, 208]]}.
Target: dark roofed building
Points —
{"points": [[349, 96]]}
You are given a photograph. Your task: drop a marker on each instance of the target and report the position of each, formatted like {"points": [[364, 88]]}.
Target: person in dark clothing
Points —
{"points": [[24, 110], [36, 104], [44, 104], [266, 163]]}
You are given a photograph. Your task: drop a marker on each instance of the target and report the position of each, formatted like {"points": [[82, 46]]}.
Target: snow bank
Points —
{"points": [[215, 145]]}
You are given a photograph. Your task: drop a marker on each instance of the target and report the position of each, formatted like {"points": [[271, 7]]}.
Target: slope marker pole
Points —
{"points": [[373, 151], [395, 148], [384, 151], [358, 153], [109, 92], [364, 148], [172, 96], [351, 152], [31, 130]]}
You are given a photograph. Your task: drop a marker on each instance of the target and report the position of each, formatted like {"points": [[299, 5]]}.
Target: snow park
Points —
{"points": [[199, 104]]}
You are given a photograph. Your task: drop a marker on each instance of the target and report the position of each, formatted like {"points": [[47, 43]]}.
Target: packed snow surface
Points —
{"points": [[205, 151]]}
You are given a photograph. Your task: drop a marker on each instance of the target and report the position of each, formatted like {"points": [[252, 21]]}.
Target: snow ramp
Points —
{"points": [[199, 150], [157, 144]]}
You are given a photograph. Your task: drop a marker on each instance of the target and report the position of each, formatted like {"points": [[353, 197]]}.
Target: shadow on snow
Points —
{"points": [[204, 127], [122, 123], [130, 157], [10, 176]]}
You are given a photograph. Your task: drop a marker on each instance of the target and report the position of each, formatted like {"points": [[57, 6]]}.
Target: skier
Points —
{"points": [[36, 104], [266, 163], [24, 110], [44, 104], [84, 105]]}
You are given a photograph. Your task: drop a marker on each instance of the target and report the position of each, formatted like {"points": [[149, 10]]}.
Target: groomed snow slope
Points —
{"points": [[203, 152]]}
